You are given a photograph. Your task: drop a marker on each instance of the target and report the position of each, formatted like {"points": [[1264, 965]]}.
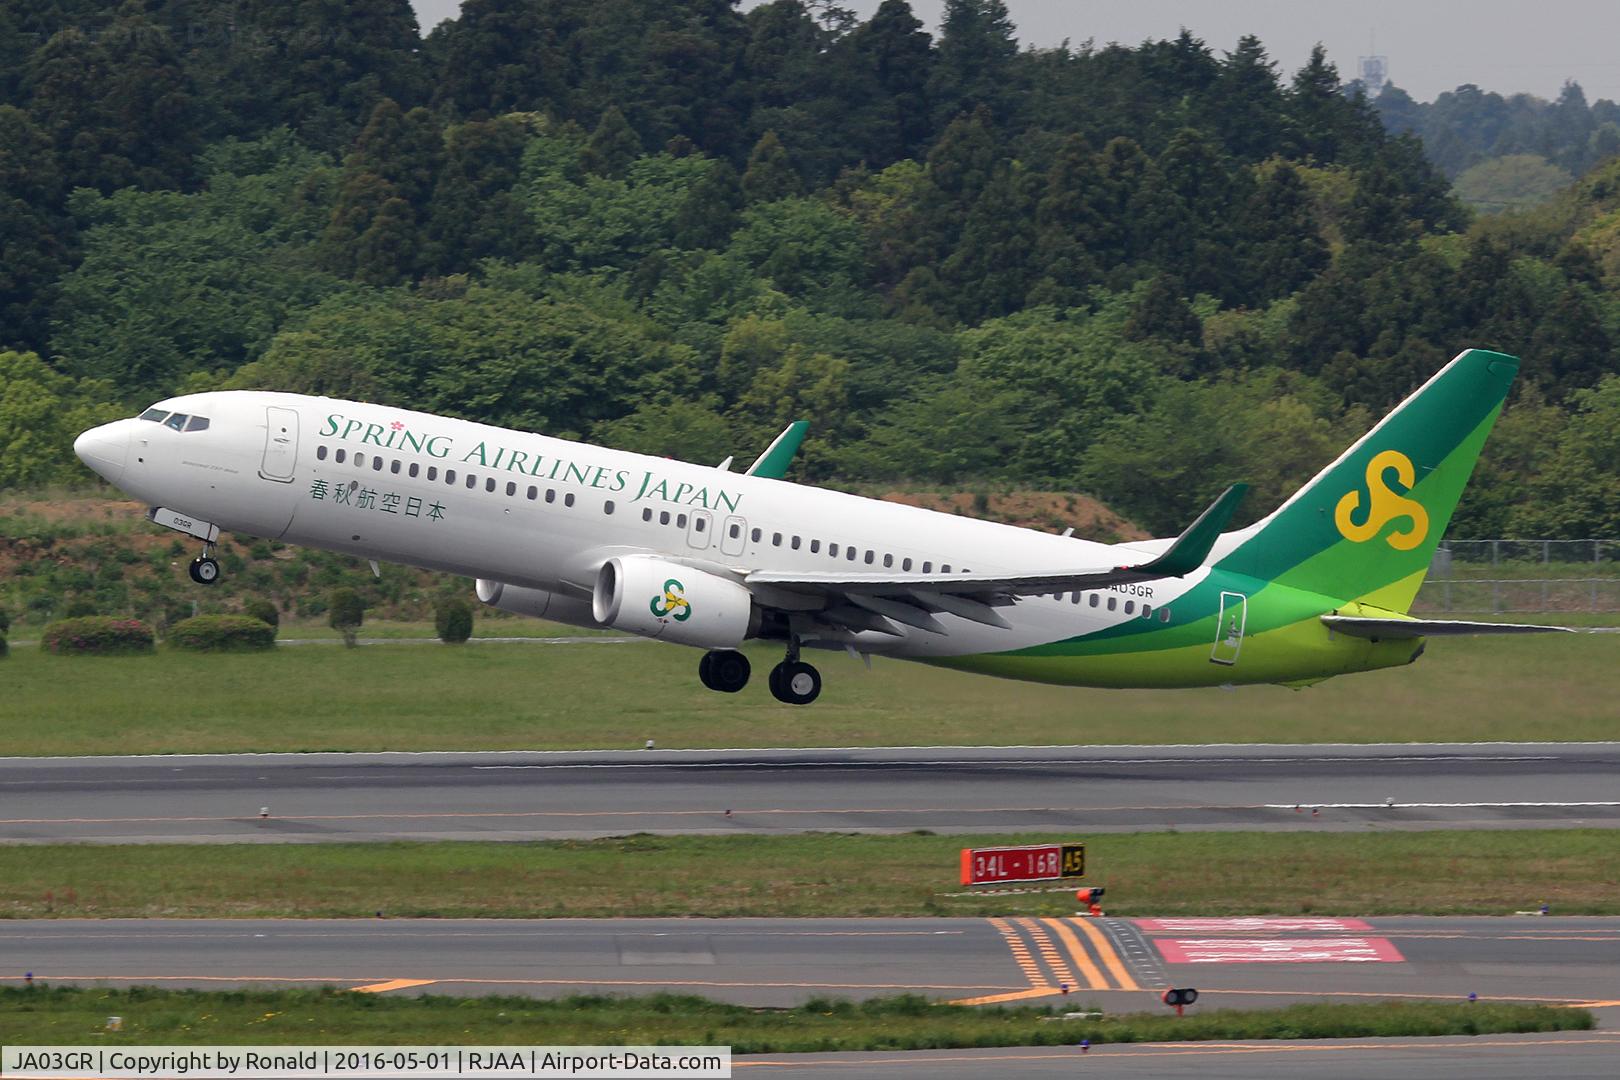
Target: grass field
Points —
{"points": [[513, 696], [69, 1016], [817, 875]]}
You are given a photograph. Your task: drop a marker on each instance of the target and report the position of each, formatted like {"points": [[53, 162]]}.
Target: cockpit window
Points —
{"points": [[177, 421], [197, 423], [155, 415]]}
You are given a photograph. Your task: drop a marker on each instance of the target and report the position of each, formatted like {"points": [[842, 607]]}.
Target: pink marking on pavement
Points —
{"points": [[1357, 950], [1254, 925]]}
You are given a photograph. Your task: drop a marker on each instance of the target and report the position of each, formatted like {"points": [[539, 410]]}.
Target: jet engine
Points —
{"points": [[656, 598], [536, 603]]}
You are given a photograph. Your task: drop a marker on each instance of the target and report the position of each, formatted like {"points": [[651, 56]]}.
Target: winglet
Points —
{"points": [[1192, 547], [773, 463]]}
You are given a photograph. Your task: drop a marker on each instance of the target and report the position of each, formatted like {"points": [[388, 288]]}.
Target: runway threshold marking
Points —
{"points": [[1082, 959], [1106, 950], [392, 984]]}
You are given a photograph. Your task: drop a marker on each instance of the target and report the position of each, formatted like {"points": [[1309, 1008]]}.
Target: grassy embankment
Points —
{"points": [[519, 696], [64, 1016], [817, 875]]}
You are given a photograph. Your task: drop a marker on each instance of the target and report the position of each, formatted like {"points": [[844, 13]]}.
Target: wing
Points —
{"points": [[1391, 629], [867, 601]]}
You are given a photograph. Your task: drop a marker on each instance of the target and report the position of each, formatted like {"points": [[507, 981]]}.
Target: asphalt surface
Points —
{"points": [[307, 798], [1117, 965]]}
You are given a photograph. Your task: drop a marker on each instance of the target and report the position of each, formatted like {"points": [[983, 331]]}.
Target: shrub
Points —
{"points": [[263, 610], [345, 612], [453, 619], [79, 606], [97, 634], [5, 622], [208, 633]]}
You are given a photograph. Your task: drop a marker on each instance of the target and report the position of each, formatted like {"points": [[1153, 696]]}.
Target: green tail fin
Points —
{"points": [[1366, 527]]}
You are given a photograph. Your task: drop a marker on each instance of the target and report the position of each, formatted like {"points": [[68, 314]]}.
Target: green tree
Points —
{"points": [[613, 146], [41, 413], [770, 175], [974, 65], [345, 613]]}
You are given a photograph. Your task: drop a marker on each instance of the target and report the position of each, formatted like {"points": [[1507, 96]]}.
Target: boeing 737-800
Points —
{"points": [[702, 556]]}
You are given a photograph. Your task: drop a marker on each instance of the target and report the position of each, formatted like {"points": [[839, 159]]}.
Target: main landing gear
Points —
{"points": [[792, 682], [204, 569]]}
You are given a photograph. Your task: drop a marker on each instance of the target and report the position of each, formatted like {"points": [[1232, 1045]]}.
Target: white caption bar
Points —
{"points": [[327, 1062]]}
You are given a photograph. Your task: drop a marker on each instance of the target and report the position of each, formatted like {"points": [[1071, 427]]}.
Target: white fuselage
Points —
{"points": [[531, 511]]}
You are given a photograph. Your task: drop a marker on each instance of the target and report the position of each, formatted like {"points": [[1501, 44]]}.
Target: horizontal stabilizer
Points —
{"points": [[1390, 629]]}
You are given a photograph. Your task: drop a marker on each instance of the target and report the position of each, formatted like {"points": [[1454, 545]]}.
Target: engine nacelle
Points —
{"points": [[535, 603], [656, 598]]}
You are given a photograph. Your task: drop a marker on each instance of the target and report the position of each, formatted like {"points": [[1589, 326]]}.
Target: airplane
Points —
{"points": [[701, 556]]}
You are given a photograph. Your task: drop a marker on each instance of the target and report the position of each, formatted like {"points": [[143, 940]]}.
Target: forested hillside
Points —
{"points": [[670, 226]]}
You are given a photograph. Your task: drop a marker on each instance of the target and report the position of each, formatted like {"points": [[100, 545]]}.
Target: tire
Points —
{"points": [[706, 671], [205, 571], [795, 683], [728, 670]]}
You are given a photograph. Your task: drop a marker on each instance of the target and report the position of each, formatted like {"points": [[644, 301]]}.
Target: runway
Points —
{"points": [[1119, 965], [310, 798]]}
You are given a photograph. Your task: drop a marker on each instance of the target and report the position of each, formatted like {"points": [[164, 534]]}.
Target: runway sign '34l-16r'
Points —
{"points": [[1038, 862]]}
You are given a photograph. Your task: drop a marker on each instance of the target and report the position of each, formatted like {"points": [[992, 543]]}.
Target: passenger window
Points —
{"points": [[698, 524], [533, 493], [736, 531], [1113, 602], [359, 460], [154, 415], [177, 421], [850, 553], [1164, 614], [197, 423], [511, 488], [551, 495], [320, 453], [433, 471], [680, 521], [568, 499], [870, 555], [449, 476], [832, 550], [888, 560], [815, 547], [489, 485], [776, 539], [905, 564], [646, 513], [928, 566], [757, 534], [1147, 611], [376, 463], [393, 466], [1076, 597], [945, 569], [1093, 600], [472, 481], [415, 469], [607, 506], [794, 543], [339, 456], [663, 517], [1130, 607]]}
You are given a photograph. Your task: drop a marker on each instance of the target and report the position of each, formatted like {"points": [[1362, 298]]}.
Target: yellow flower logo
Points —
{"points": [[1384, 505]]}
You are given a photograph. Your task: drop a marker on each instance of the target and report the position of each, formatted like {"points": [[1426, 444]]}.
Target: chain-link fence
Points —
{"points": [[1523, 575]]}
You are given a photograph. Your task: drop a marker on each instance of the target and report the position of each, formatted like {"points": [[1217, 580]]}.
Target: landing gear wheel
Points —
{"points": [[795, 683], [204, 570], [725, 670]]}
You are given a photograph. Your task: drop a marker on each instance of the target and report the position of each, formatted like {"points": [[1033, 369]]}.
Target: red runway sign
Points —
{"points": [[1038, 862], [1255, 925], [1356, 950]]}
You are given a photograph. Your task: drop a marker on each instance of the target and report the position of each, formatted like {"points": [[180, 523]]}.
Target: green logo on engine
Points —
{"points": [[673, 602]]}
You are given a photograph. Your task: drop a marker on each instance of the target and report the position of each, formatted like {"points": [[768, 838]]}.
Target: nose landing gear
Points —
{"points": [[204, 569]]}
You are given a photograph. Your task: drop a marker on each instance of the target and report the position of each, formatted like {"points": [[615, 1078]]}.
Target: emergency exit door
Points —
{"points": [[280, 444]]}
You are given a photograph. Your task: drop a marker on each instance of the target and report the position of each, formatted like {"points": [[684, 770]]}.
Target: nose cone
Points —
{"points": [[105, 449]]}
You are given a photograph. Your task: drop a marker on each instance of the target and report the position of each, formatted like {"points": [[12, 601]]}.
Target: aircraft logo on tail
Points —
{"points": [[1384, 505]]}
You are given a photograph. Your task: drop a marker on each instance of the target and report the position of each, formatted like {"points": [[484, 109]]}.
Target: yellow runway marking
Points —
{"points": [[1082, 959], [1016, 995], [336, 979], [1048, 951], [1109, 956], [392, 984], [1020, 954]]}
